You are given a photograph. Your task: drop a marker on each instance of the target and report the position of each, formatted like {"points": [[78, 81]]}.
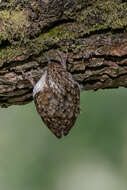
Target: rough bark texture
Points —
{"points": [[92, 32]]}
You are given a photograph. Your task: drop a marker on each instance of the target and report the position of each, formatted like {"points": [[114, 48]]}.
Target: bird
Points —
{"points": [[56, 96]]}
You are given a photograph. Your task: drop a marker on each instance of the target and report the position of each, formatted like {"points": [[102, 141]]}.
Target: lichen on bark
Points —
{"points": [[92, 33]]}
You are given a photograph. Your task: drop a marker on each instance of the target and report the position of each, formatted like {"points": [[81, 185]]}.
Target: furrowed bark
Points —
{"points": [[91, 33]]}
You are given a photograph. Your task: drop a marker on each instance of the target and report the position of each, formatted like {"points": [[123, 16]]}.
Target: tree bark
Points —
{"points": [[91, 33]]}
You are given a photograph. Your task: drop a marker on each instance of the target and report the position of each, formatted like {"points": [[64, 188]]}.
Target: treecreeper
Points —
{"points": [[56, 96]]}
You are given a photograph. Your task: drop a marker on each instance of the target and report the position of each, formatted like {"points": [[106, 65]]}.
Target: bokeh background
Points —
{"points": [[92, 157]]}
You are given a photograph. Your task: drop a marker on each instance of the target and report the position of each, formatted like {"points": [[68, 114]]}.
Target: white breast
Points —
{"points": [[40, 84]]}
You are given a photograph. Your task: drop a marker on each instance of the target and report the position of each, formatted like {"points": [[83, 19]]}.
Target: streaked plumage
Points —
{"points": [[57, 99]]}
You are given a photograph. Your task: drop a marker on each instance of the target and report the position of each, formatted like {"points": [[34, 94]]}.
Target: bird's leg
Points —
{"points": [[28, 76], [61, 60]]}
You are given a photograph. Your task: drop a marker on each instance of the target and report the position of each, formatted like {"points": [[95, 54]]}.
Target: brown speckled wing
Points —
{"points": [[74, 108], [46, 107], [67, 94], [59, 102]]}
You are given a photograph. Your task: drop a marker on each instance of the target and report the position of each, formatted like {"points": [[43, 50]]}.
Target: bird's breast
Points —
{"points": [[40, 84]]}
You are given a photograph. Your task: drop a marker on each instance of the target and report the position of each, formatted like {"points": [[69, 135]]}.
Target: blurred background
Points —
{"points": [[92, 157]]}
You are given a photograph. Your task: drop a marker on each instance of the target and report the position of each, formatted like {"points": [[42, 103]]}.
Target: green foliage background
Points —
{"points": [[93, 156]]}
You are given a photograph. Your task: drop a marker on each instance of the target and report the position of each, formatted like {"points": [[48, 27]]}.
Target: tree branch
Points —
{"points": [[93, 33]]}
